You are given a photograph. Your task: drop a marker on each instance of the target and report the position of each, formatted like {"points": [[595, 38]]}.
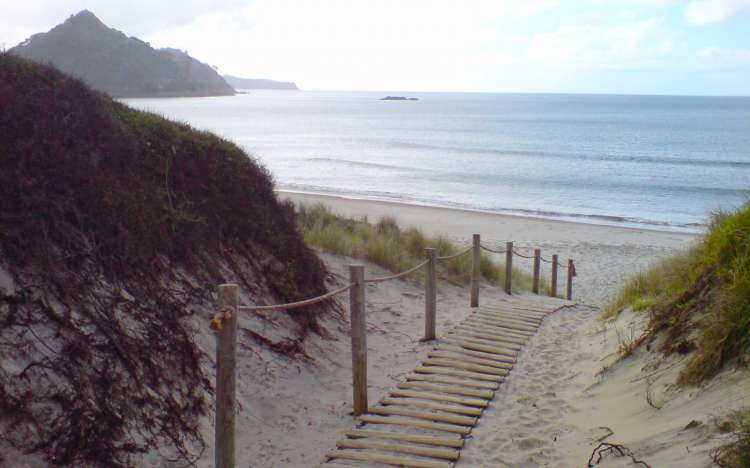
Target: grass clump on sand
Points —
{"points": [[387, 245], [735, 454], [706, 289]]}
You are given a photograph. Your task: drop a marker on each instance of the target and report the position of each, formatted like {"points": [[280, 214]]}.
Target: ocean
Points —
{"points": [[656, 162]]}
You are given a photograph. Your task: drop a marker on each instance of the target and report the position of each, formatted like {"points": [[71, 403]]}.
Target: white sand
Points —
{"points": [[293, 411], [556, 403]]}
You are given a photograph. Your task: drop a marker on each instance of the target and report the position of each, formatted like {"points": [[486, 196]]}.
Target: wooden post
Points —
{"points": [[430, 293], [359, 338], [509, 267], [571, 272], [537, 269], [553, 286], [475, 271], [226, 361]]}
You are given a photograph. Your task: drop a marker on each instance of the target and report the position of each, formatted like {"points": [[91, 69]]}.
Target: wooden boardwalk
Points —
{"points": [[423, 422]]}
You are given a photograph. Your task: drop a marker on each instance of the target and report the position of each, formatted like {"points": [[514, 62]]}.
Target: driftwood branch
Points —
{"points": [[620, 450]]}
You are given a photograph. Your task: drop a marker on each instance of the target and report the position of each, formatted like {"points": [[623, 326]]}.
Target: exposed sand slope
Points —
{"points": [[293, 411], [569, 390]]}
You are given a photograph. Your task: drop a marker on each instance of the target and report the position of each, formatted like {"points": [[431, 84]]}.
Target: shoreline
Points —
{"points": [[605, 256], [289, 193]]}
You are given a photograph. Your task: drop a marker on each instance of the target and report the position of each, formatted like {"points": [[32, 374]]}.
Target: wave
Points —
{"points": [[363, 164], [604, 157], [611, 220]]}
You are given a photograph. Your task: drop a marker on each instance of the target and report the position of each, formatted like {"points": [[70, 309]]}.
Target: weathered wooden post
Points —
{"points": [[477, 257], [553, 286], [430, 294], [537, 269], [508, 267], [359, 338], [571, 274], [226, 361]]}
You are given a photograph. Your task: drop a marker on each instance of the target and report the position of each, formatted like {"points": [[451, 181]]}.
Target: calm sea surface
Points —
{"points": [[645, 161]]}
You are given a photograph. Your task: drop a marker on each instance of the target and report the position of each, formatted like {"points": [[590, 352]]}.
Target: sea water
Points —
{"points": [[660, 162]]}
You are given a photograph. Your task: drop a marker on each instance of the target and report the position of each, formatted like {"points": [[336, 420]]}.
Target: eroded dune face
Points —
{"points": [[115, 228]]}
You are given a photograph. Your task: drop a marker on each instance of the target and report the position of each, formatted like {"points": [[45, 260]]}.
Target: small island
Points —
{"points": [[399, 98]]}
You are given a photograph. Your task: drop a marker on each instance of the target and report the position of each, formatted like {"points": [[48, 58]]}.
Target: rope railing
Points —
{"points": [[456, 255], [515, 252], [483, 247], [224, 322], [298, 304], [398, 275]]}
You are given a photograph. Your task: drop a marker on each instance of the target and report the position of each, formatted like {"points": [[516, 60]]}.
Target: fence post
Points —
{"points": [[553, 286], [537, 268], [226, 360], [508, 267], [475, 271], [430, 293], [359, 338], [571, 272]]}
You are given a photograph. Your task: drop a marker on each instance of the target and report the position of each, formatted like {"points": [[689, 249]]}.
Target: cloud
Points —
{"points": [[702, 12]]}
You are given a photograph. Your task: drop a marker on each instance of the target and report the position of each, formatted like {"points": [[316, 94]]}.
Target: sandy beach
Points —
{"points": [[604, 255], [567, 393]]}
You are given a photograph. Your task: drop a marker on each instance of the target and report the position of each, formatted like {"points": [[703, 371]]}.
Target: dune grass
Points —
{"points": [[706, 289], [385, 244], [735, 454]]}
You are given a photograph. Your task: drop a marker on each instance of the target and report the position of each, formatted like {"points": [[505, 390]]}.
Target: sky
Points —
{"points": [[691, 47]]}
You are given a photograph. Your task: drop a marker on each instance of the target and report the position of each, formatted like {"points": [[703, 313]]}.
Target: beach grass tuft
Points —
{"points": [[384, 243], [700, 299], [736, 453]]}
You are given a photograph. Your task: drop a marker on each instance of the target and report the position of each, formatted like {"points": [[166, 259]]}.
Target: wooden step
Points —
{"points": [[482, 341], [457, 409], [478, 354], [513, 317], [448, 454], [427, 415], [430, 377], [387, 459], [480, 347], [486, 394], [406, 437], [477, 379], [476, 402], [472, 360], [490, 336], [456, 364], [447, 370], [452, 428], [480, 319], [475, 327]]}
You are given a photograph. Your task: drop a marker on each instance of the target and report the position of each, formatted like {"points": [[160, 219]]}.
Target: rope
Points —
{"points": [[544, 259], [451, 257], [295, 305], [398, 275], [521, 255], [490, 250]]}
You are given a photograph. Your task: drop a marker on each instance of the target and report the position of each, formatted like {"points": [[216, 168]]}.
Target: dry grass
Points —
{"points": [[706, 290], [735, 454], [386, 244]]}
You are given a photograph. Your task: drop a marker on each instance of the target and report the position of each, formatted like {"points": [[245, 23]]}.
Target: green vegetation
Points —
{"points": [[708, 289], [735, 454], [387, 245]]}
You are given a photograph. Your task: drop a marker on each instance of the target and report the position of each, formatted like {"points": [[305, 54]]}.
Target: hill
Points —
{"points": [[109, 61], [250, 83], [115, 228]]}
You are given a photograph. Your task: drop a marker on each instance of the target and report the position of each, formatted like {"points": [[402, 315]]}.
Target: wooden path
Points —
{"points": [[424, 421]]}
